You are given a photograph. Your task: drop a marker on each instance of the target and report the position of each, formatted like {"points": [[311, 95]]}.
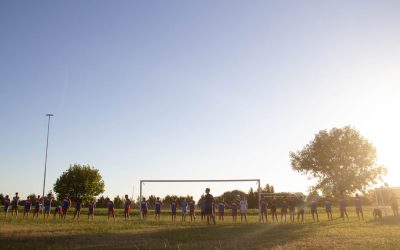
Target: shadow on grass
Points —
{"points": [[387, 220], [228, 236]]}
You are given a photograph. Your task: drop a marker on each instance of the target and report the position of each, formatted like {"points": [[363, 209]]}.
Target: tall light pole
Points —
{"points": [[47, 146]]}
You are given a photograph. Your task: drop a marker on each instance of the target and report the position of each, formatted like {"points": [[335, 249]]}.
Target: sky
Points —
{"points": [[192, 89]]}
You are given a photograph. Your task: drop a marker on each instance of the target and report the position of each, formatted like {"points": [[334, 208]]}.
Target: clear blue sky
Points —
{"points": [[192, 89]]}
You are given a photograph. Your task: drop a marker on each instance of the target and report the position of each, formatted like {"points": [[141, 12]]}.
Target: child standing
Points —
{"points": [[221, 209], [15, 203], [158, 209], [173, 210], [127, 207], [328, 208], [243, 209], [6, 205], [91, 207], [27, 207]]}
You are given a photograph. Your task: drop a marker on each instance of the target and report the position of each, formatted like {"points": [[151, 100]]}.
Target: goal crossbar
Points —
{"points": [[211, 180]]}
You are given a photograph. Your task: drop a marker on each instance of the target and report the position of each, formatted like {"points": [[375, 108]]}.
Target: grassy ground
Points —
{"points": [[337, 234]]}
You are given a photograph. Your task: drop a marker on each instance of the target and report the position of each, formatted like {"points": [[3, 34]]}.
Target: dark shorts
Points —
{"points": [[221, 213], [90, 212], [313, 210], [359, 210], [64, 210], [208, 211], [127, 210], [284, 210], [173, 213], [47, 209], [14, 207], [144, 211], [191, 212], [158, 211]]}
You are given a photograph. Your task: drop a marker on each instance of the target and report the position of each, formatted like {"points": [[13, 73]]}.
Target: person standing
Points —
{"points": [[6, 203], [173, 210], [192, 205], [127, 208], [47, 206], [234, 208], [342, 205], [328, 208], [14, 205], [91, 207], [184, 205], [263, 205], [284, 208], [78, 207], [243, 209], [359, 211], [157, 211], [209, 204], [66, 205], [314, 209]]}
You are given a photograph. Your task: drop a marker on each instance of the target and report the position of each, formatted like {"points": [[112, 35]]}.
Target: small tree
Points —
{"points": [[342, 160], [82, 180], [118, 203]]}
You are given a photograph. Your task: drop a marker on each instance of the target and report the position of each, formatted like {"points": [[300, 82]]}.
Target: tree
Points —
{"points": [[118, 202], [82, 180], [342, 161]]}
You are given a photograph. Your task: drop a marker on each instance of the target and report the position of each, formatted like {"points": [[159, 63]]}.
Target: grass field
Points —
{"points": [[32, 233]]}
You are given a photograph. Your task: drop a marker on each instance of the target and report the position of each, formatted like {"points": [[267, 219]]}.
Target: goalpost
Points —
{"points": [[228, 180], [383, 196]]}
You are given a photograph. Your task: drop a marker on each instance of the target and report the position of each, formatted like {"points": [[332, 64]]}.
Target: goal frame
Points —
{"points": [[220, 180], [379, 198]]}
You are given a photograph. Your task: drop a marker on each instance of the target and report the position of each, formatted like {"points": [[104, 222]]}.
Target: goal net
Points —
{"points": [[385, 196]]}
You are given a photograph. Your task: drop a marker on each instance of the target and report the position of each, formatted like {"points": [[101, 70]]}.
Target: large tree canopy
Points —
{"points": [[342, 161], [84, 180]]}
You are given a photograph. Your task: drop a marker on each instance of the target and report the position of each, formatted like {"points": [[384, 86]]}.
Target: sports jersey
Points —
{"points": [[221, 207], [328, 206], [78, 205], [47, 203], [66, 203], [173, 207], [127, 204], [202, 207], [234, 208], [143, 205], [191, 206], [184, 205], [15, 201], [38, 203], [6, 204], [158, 207], [313, 205], [263, 205], [110, 205], [284, 205], [243, 206], [27, 205], [91, 207], [209, 199]]}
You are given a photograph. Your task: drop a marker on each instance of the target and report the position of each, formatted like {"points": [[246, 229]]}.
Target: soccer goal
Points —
{"points": [[384, 197], [207, 181]]}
